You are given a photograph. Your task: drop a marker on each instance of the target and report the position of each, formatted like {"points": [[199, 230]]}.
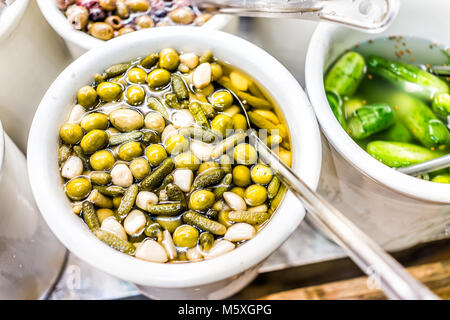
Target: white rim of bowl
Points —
{"points": [[344, 144], [59, 23], [282, 224], [11, 17]]}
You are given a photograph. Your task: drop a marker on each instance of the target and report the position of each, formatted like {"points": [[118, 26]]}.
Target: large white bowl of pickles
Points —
{"points": [[146, 173], [384, 118]]}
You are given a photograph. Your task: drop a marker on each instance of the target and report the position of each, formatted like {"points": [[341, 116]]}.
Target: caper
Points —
{"points": [[239, 122], [155, 154], [185, 236], [169, 59], [176, 144], [78, 188], [255, 195], [109, 91], [70, 133], [137, 75], [241, 176], [144, 22], [104, 213], [201, 200], [226, 163], [139, 168], [130, 150], [93, 121], [154, 121], [116, 201], [135, 95], [169, 223], [87, 96], [158, 78], [187, 160], [245, 154], [261, 174], [221, 123], [93, 141], [102, 160], [221, 99]]}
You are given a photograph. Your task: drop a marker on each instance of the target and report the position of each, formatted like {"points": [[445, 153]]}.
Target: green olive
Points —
{"points": [[261, 174], [138, 5], [239, 191], [158, 78], [241, 176], [93, 141], [221, 123], [70, 133], [126, 120], [255, 195], [109, 91], [222, 99], [239, 122], [154, 121], [216, 71], [185, 236], [201, 200], [187, 160], [135, 95], [137, 75], [104, 213], [168, 222], [155, 154], [78, 188], [130, 150], [245, 154], [87, 96], [139, 168], [226, 163], [169, 59], [116, 201], [207, 165], [176, 144], [102, 160], [93, 121]]}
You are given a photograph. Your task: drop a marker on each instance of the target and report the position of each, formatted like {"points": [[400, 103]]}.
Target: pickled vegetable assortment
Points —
{"points": [[156, 160], [106, 19], [396, 111]]}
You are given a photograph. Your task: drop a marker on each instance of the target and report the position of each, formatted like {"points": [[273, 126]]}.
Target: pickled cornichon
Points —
{"points": [[397, 111], [159, 165]]}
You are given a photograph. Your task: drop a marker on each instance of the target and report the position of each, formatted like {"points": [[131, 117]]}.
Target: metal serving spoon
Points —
{"points": [[391, 277], [365, 15]]}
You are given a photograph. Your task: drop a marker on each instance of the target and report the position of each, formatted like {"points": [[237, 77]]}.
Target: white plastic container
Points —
{"points": [[394, 209], [79, 42], [31, 56], [215, 278], [31, 257]]}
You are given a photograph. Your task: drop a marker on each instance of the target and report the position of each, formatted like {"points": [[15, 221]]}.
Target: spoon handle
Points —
{"points": [[427, 166], [365, 15], [387, 273]]}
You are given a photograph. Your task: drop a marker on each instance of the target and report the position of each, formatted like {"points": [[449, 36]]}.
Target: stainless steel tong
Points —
{"points": [[365, 15]]}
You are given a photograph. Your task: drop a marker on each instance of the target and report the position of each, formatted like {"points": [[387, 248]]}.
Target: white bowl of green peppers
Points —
{"points": [[215, 278], [408, 93]]}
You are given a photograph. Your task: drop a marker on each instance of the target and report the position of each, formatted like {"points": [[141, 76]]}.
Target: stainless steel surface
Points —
{"points": [[366, 15], [427, 166], [392, 278]]}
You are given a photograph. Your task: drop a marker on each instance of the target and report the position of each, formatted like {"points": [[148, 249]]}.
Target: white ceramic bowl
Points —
{"points": [[396, 210], [215, 278], [79, 42], [31, 56], [327, 43]]}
